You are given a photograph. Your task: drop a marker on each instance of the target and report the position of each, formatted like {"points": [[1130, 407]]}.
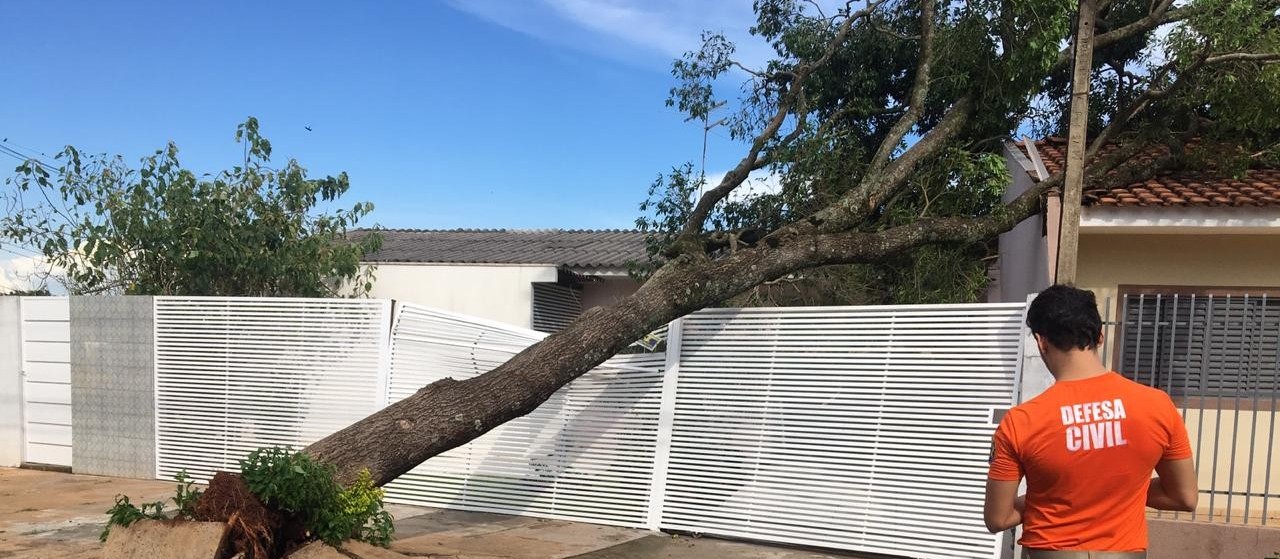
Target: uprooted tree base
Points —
{"points": [[255, 529]]}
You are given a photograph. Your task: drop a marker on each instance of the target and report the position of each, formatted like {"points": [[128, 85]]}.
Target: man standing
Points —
{"points": [[1086, 446]]}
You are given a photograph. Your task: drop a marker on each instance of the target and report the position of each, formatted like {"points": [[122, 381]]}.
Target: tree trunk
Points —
{"points": [[450, 413]]}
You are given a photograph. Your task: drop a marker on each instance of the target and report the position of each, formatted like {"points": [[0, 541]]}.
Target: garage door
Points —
{"points": [[46, 380]]}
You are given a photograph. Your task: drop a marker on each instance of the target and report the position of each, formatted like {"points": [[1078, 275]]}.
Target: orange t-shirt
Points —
{"points": [[1087, 448]]}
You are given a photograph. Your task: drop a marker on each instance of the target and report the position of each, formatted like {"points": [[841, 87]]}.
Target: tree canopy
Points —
{"points": [[885, 122], [895, 112], [159, 229]]}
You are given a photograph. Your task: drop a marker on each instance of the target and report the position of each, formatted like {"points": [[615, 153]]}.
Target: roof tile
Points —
{"points": [[553, 247], [1257, 187]]}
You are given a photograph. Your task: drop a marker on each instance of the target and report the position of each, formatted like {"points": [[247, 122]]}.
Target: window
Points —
{"points": [[555, 306], [1201, 342]]}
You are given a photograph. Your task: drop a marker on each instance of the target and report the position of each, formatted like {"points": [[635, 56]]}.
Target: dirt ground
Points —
{"points": [[57, 515]]}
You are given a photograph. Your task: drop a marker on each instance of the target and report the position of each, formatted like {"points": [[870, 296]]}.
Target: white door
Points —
{"points": [[46, 380]]}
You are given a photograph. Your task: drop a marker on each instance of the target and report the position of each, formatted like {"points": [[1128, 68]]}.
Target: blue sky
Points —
{"points": [[485, 113]]}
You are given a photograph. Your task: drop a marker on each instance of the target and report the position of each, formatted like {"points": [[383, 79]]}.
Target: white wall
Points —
{"points": [[1024, 250], [10, 382], [496, 292]]}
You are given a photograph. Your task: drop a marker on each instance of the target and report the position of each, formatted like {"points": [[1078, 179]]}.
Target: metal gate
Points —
{"points": [[859, 428], [856, 428], [46, 380]]}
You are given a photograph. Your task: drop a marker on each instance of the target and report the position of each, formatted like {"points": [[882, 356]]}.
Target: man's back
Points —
{"points": [[1087, 449]]}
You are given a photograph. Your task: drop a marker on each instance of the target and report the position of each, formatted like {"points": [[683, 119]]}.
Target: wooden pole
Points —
{"points": [[1073, 183]]}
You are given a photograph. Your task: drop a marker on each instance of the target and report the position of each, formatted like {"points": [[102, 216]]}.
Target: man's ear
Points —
{"points": [[1042, 344]]}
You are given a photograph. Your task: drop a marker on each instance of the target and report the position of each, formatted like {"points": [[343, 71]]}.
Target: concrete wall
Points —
{"points": [[1023, 250], [607, 291], [112, 386], [496, 292], [10, 382], [1177, 539]]}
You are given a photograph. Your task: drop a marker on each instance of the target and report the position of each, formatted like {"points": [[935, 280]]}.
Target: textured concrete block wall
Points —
{"points": [[10, 382], [112, 386]]}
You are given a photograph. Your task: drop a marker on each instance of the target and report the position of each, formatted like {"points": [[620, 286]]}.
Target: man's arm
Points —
{"points": [[1175, 489], [1003, 507]]}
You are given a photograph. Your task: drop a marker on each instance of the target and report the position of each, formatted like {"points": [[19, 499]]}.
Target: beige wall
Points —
{"points": [[1175, 539], [502, 293], [1214, 435], [1108, 261]]}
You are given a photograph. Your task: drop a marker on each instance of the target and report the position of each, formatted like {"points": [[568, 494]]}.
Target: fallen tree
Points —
{"points": [[860, 114]]}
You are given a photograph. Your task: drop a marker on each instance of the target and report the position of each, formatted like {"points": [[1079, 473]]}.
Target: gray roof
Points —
{"points": [[555, 247]]}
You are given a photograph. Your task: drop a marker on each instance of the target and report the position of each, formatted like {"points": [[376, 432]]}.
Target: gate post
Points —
{"points": [[666, 419], [11, 424]]}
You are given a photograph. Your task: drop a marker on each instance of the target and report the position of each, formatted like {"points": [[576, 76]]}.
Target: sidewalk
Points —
{"points": [[48, 514]]}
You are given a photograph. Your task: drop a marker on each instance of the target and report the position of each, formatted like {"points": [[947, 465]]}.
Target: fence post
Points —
{"points": [[383, 389], [666, 418]]}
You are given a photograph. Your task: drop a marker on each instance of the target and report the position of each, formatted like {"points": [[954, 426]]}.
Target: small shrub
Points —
{"points": [[124, 513], [186, 496], [305, 489]]}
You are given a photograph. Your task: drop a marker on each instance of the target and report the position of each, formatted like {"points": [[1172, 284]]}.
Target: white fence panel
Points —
{"points": [[864, 428], [586, 454], [46, 380], [235, 374]]}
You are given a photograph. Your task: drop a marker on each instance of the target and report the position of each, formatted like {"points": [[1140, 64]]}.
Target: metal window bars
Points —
{"points": [[1218, 356]]}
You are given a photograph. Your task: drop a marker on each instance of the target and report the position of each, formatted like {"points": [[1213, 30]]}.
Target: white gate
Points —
{"points": [[235, 374], [856, 428], [46, 380], [864, 428], [586, 454]]}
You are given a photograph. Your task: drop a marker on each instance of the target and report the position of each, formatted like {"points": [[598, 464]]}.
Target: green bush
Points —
{"points": [[299, 486]]}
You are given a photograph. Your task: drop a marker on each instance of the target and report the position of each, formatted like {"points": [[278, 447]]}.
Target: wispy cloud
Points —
{"points": [[639, 31]]}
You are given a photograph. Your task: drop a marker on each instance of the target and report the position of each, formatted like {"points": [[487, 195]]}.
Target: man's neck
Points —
{"points": [[1078, 365]]}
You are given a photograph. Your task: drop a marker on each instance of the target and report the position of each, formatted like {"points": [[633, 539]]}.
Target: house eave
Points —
{"points": [[1165, 220]]}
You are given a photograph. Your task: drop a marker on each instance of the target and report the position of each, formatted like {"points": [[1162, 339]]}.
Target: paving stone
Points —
{"points": [[175, 540]]}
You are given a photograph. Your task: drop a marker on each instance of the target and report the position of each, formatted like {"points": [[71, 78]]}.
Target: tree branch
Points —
{"points": [[1161, 14], [685, 242], [874, 190], [919, 92]]}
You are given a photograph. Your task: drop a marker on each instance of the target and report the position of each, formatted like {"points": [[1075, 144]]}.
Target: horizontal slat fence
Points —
{"points": [[856, 428], [236, 374], [863, 428], [586, 454]]}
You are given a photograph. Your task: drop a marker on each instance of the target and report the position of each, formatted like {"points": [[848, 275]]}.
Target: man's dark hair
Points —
{"points": [[1067, 317]]}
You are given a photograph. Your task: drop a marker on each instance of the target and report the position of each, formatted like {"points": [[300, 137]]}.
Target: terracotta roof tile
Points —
{"points": [[1257, 187]]}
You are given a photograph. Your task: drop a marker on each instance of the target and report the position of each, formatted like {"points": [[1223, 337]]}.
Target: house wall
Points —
{"points": [[10, 382], [496, 292], [607, 291], [1024, 249], [1107, 261]]}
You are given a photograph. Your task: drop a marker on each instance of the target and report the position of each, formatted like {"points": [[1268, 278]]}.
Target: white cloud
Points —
{"points": [[755, 185], [647, 31], [20, 272]]}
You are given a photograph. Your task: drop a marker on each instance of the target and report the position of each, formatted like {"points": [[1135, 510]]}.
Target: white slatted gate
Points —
{"points": [[235, 374], [856, 428], [586, 454], [46, 380], [865, 428]]}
